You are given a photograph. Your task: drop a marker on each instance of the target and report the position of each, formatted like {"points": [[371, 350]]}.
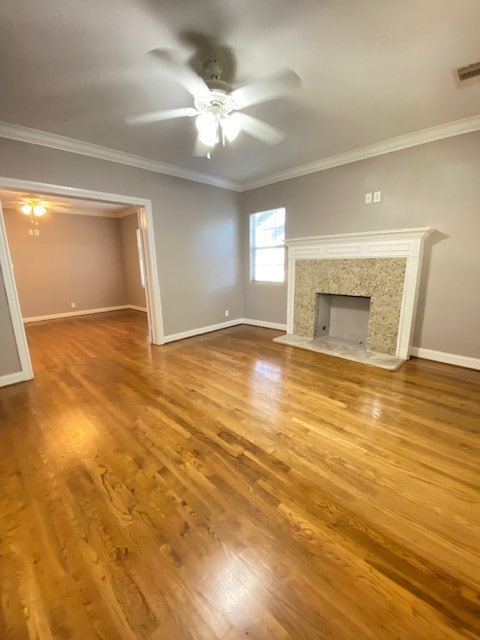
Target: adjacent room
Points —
{"points": [[66, 265], [73, 258], [239, 320]]}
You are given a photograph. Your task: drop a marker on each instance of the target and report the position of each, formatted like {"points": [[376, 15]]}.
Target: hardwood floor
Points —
{"points": [[228, 487]]}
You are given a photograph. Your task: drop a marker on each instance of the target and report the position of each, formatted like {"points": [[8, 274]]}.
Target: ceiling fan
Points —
{"points": [[217, 106]]}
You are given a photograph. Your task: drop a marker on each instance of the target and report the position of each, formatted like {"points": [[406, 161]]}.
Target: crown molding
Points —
{"points": [[440, 132], [62, 143], [117, 215]]}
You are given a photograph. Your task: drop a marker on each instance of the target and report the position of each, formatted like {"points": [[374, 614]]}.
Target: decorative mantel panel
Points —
{"points": [[382, 265]]}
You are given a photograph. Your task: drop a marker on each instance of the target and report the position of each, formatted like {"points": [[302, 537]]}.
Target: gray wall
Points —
{"points": [[135, 292], [74, 258], [195, 230], [198, 243], [436, 185]]}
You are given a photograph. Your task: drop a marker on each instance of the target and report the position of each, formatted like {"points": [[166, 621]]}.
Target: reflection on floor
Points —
{"points": [[227, 487], [341, 348]]}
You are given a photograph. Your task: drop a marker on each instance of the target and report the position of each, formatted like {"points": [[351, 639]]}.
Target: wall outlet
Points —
{"points": [[30, 232], [227, 313], [368, 198], [73, 305], [36, 232], [377, 196]]}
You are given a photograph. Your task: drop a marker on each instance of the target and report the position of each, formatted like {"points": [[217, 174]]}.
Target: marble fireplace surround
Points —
{"points": [[382, 265]]}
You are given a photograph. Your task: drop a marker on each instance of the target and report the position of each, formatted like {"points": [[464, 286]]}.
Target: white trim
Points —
{"points": [[393, 243], [225, 325], [266, 325], [71, 314], [83, 312], [439, 132], [13, 378], [447, 358], [6, 267], [152, 290], [117, 215], [55, 208], [416, 138], [342, 239], [196, 332], [62, 143]]}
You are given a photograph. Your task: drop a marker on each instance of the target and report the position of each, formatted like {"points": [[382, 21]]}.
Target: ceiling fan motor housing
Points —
{"points": [[218, 103]]}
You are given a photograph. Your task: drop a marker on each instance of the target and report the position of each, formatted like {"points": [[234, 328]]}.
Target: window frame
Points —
{"points": [[253, 248]]}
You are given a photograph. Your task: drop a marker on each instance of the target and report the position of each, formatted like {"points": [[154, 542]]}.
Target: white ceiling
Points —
{"points": [[371, 70], [13, 200]]}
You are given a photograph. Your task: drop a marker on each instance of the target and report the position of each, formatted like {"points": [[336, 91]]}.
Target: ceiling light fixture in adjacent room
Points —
{"points": [[39, 210], [34, 209]]}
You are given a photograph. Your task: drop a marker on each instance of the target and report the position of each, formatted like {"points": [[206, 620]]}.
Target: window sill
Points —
{"points": [[270, 282]]}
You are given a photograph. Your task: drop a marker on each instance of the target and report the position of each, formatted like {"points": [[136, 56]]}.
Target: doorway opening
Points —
{"points": [[69, 252]]}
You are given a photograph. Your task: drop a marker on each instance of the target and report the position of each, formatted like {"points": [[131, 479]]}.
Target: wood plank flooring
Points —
{"points": [[228, 487]]}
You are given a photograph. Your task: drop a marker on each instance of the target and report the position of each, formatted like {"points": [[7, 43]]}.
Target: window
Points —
{"points": [[267, 246]]}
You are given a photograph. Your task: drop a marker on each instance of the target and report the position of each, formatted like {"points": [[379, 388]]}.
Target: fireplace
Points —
{"points": [[380, 279], [342, 318], [373, 275]]}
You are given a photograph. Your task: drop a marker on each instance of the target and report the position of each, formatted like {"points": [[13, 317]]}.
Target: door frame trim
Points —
{"points": [[154, 303]]}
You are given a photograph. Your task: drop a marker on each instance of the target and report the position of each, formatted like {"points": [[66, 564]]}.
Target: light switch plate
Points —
{"points": [[377, 196], [368, 198]]}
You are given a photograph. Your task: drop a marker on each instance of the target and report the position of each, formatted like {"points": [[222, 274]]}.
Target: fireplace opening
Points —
{"points": [[343, 319]]}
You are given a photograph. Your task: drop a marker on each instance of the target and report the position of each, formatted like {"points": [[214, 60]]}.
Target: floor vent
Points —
{"points": [[468, 74]]}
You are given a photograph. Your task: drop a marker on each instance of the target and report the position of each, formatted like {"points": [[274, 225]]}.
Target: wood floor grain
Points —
{"points": [[228, 487]]}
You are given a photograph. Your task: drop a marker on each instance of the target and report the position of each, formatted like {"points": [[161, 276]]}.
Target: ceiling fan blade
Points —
{"points": [[261, 130], [201, 150], [157, 116], [266, 89], [176, 68]]}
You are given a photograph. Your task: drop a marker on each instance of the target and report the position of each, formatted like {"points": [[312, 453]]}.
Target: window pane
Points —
{"points": [[265, 219], [269, 264], [267, 240], [280, 218], [269, 237]]}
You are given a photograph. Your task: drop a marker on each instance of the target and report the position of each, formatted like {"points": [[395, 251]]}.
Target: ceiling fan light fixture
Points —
{"points": [[207, 128], [231, 126], [26, 209]]}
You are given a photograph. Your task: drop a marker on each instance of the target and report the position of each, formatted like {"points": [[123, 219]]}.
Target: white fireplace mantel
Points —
{"points": [[395, 243]]}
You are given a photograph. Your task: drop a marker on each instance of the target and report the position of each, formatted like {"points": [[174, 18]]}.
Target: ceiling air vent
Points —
{"points": [[469, 74]]}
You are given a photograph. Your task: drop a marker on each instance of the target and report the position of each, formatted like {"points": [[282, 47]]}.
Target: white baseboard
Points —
{"points": [[196, 332], [265, 324], [84, 312], [447, 358], [224, 325], [13, 378]]}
